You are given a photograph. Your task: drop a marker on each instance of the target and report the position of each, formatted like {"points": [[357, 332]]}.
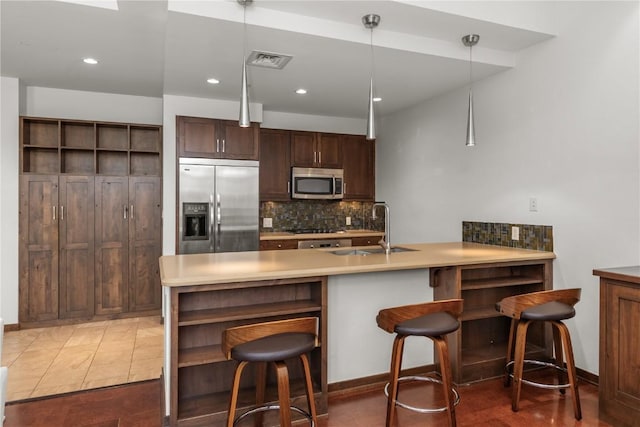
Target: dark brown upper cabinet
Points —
{"points": [[275, 165], [316, 150], [216, 139]]}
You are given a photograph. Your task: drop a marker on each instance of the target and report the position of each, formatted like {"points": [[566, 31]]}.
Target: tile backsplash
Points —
{"points": [[320, 214], [538, 237]]}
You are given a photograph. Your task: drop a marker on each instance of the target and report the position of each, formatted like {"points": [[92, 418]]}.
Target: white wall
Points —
{"points": [[80, 105], [9, 134], [562, 126]]}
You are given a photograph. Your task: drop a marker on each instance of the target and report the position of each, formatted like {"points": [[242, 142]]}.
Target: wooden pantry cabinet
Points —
{"points": [[216, 139], [478, 349], [200, 375], [81, 184]]}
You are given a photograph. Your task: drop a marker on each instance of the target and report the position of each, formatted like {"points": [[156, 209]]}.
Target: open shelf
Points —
{"points": [[113, 137], [200, 356], [499, 282], [227, 314], [77, 161], [40, 160], [40, 133], [78, 135], [86, 147]]}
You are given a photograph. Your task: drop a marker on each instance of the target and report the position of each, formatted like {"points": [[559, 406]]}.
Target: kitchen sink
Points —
{"points": [[365, 252]]}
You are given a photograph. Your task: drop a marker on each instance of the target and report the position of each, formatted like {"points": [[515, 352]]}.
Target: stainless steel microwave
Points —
{"points": [[316, 183]]}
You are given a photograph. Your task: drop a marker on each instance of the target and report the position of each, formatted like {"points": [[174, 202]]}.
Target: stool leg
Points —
{"points": [[518, 365], [559, 357], [310, 395], [283, 394], [261, 385], [231, 414], [512, 335], [571, 367], [396, 361], [445, 373]]}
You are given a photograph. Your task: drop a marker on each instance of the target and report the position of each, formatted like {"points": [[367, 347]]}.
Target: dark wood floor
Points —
{"points": [[485, 404]]}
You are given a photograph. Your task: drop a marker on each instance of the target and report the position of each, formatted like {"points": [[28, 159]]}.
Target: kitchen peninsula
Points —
{"points": [[207, 293]]}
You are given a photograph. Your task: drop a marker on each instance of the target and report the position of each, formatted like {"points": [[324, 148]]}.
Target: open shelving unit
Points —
{"points": [[200, 374], [55, 146], [478, 349]]}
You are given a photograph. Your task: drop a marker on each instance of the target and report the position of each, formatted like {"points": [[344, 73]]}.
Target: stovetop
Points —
{"points": [[312, 230]]}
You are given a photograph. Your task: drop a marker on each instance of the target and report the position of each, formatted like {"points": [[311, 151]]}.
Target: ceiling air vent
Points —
{"points": [[268, 60]]}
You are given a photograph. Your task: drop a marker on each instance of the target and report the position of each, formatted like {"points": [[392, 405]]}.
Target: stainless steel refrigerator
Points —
{"points": [[218, 205]]}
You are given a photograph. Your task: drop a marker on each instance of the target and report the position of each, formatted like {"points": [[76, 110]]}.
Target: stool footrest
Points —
{"points": [[273, 407], [538, 384], [414, 408]]}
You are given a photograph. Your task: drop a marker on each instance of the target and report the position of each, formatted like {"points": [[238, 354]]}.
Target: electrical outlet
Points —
{"points": [[348, 220], [515, 233], [267, 222], [533, 204]]}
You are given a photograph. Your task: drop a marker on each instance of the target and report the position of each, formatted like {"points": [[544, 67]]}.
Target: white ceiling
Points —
{"points": [[151, 48]]}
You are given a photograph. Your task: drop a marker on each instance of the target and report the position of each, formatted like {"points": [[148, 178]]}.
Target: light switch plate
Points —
{"points": [[515, 233], [348, 220], [267, 222]]}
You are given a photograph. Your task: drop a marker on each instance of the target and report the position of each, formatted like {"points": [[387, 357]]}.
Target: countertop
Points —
{"points": [[347, 234], [212, 268], [625, 274]]}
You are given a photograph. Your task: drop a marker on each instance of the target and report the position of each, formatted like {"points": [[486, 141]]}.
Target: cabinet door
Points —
{"points": [[275, 165], [359, 168], [111, 244], [196, 137], [76, 228], [620, 352], [269, 245], [145, 241], [38, 248], [329, 150], [236, 142], [303, 149]]}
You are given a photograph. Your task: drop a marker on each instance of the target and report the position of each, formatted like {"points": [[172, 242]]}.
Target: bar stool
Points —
{"points": [[271, 342], [544, 306], [432, 320]]}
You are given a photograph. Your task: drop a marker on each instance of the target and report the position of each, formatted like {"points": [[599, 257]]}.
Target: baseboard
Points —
{"points": [[358, 386], [350, 388], [12, 327]]}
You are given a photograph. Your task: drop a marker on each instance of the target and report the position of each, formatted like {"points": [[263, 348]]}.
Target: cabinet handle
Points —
{"points": [[279, 246], [320, 157], [131, 212], [61, 212], [223, 144], [344, 188], [217, 145], [124, 211], [315, 157], [288, 187], [53, 208]]}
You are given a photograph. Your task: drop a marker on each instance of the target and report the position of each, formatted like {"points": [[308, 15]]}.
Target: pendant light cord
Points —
{"points": [[244, 32]]}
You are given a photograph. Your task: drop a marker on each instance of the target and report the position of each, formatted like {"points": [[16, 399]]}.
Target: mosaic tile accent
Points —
{"points": [[538, 237], [323, 214]]}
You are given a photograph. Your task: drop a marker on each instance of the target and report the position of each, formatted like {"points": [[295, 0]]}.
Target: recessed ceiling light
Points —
{"points": [[301, 91], [90, 61], [377, 99], [213, 81]]}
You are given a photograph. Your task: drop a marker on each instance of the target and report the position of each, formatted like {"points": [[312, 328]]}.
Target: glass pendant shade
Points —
{"points": [[371, 125], [245, 120], [471, 131]]}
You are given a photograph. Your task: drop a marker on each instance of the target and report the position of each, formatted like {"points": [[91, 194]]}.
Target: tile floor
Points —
{"points": [[61, 359]]}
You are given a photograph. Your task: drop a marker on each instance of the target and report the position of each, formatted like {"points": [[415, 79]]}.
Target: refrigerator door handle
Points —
{"points": [[219, 221], [212, 237]]}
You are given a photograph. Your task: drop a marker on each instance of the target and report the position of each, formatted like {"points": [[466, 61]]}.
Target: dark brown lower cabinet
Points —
{"points": [[619, 382]]}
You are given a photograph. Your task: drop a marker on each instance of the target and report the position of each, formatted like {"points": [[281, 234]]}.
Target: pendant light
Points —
{"points": [[244, 120], [470, 41], [371, 21]]}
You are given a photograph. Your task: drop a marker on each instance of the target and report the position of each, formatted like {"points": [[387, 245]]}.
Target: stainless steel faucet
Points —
{"points": [[385, 242]]}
